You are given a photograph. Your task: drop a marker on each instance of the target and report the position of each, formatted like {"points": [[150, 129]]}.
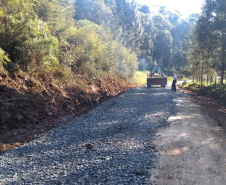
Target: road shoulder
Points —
{"points": [[192, 150]]}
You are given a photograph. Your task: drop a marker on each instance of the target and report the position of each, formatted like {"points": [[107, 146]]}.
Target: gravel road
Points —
{"points": [[112, 144]]}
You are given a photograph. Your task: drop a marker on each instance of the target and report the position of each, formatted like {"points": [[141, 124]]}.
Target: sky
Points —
{"points": [[185, 7]]}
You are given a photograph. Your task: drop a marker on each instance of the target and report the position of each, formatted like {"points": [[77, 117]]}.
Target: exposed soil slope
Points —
{"points": [[213, 107], [29, 107]]}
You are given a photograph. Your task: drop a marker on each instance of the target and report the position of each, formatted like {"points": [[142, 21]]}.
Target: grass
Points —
{"points": [[216, 91], [194, 86], [169, 79], [140, 77]]}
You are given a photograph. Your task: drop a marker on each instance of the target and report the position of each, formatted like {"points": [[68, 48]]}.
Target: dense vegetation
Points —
{"points": [[214, 91], [90, 37], [43, 35], [156, 38], [207, 51], [51, 63]]}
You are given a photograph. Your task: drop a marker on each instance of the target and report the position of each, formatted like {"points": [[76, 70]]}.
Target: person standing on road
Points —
{"points": [[174, 82]]}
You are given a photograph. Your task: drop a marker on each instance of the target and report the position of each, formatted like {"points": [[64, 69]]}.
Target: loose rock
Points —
{"points": [[118, 138]]}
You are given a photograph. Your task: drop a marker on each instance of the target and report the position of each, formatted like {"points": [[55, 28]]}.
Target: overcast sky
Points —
{"points": [[185, 7]]}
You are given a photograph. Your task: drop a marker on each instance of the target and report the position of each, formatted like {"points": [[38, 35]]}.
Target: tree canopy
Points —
{"points": [[93, 37], [208, 51]]}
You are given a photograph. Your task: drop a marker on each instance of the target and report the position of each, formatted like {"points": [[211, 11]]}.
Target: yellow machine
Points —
{"points": [[156, 77]]}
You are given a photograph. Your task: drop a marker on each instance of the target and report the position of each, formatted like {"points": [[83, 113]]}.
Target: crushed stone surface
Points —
{"points": [[112, 144]]}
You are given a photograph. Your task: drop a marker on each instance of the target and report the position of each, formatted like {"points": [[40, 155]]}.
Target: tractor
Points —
{"points": [[156, 77]]}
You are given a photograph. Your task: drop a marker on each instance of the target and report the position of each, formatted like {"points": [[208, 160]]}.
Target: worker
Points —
{"points": [[174, 82]]}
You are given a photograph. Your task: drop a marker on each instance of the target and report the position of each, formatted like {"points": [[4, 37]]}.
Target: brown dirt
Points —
{"points": [[30, 107], [192, 150], [210, 106]]}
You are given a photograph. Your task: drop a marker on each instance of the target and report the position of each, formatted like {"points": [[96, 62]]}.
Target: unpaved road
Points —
{"points": [[193, 149], [128, 141], [112, 145]]}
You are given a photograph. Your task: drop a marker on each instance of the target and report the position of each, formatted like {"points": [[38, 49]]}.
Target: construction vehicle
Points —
{"points": [[156, 77]]}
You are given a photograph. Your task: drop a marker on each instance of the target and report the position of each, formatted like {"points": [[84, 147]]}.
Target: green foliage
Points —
{"points": [[208, 56], [25, 38], [127, 62], [95, 51], [169, 79], [4, 60], [90, 37], [140, 77], [155, 38], [163, 45], [217, 91], [57, 13]]}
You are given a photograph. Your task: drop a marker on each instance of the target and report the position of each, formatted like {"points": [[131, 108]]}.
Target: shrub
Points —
{"points": [[4, 60]]}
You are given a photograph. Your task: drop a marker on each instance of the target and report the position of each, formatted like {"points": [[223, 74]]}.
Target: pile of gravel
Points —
{"points": [[112, 144]]}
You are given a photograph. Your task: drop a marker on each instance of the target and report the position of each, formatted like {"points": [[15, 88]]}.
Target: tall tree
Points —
{"points": [[211, 32], [163, 44]]}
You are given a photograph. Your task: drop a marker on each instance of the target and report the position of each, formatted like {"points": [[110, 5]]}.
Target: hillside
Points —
{"points": [[30, 107], [61, 58]]}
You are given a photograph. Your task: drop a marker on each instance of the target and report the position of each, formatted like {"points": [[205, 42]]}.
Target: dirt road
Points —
{"points": [[192, 150], [113, 144]]}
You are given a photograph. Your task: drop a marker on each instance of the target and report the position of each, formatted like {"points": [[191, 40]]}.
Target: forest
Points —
{"points": [[91, 37], [207, 51], [59, 56]]}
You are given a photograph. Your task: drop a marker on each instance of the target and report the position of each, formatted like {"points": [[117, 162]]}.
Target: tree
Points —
{"points": [[144, 9], [211, 30], [163, 44]]}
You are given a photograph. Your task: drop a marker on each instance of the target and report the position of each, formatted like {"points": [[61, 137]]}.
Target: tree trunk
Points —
{"points": [[222, 76], [223, 62], [202, 75]]}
